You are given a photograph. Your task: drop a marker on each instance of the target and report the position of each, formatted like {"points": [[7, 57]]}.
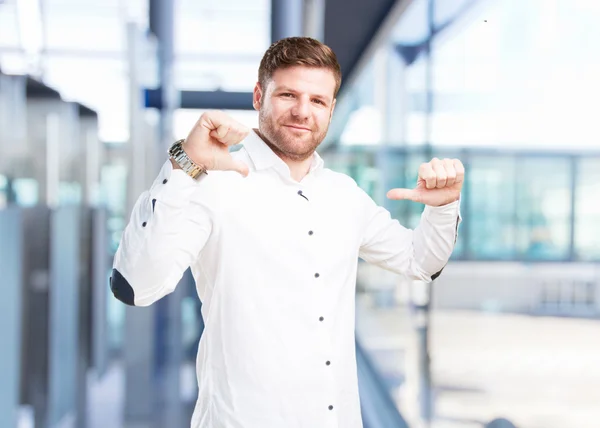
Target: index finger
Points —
{"points": [[427, 174]]}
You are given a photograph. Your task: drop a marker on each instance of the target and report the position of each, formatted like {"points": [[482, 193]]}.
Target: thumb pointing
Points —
{"points": [[400, 194], [240, 167]]}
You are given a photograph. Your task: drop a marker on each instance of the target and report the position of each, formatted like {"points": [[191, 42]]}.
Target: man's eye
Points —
{"points": [[319, 102], [286, 94]]}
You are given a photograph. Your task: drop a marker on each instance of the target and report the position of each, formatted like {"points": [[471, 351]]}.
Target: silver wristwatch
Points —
{"points": [[181, 158]]}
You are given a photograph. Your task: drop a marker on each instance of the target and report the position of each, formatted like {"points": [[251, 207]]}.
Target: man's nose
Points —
{"points": [[301, 108]]}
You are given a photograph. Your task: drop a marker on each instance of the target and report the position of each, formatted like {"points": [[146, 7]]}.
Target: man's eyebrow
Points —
{"points": [[284, 89]]}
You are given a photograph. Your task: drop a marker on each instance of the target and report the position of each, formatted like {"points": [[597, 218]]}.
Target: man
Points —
{"points": [[273, 240]]}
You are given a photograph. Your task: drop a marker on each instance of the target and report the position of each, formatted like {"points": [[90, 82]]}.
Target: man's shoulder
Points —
{"points": [[339, 179]]}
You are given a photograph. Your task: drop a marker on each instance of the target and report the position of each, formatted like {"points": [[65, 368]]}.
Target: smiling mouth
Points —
{"points": [[299, 128]]}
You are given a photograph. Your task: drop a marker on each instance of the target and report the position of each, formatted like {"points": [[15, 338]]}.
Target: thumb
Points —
{"points": [[400, 194], [219, 133], [237, 166]]}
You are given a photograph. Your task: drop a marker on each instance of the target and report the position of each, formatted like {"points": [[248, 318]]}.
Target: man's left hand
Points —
{"points": [[440, 182]]}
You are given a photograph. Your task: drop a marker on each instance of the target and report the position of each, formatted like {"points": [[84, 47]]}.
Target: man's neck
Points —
{"points": [[298, 168]]}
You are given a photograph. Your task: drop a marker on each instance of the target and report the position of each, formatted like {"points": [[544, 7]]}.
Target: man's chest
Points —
{"points": [[276, 221]]}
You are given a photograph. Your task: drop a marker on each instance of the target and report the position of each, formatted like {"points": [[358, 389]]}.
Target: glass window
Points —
{"points": [[587, 209], [26, 192], [3, 192], [490, 198], [543, 208], [393, 165]]}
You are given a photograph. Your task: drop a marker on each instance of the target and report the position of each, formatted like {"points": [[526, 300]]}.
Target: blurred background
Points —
{"points": [[93, 92]]}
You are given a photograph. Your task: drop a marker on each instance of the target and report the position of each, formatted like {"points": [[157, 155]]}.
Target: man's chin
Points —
{"points": [[295, 151], [292, 134]]}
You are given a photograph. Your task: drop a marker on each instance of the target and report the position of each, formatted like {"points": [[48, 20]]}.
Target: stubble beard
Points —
{"points": [[284, 144]]}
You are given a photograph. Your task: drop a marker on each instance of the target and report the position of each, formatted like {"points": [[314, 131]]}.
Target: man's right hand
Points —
{"points": [[209, 140]]}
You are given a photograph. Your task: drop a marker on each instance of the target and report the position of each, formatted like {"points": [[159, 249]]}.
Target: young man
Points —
{"points": [[273, 240]]}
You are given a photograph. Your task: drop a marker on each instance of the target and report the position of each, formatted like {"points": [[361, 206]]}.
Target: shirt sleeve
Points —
{"points": [[421, 253], [167, 229]]}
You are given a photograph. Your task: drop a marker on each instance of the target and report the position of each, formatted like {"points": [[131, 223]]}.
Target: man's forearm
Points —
{"points": [[434, 239], [166, 232]]}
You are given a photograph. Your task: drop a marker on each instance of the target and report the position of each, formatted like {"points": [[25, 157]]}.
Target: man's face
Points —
{"points": [[295, 110]]}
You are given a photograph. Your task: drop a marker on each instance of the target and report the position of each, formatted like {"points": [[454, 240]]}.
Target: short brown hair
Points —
{"points": [[303, 51]]}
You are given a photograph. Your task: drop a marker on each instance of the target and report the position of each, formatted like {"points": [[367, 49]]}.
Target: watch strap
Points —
{"points": [[181, 158]]}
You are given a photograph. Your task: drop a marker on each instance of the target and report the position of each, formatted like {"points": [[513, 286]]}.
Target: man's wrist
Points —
{"points": [[181, 158], [446, 203], [448, 211], [175, 164]]}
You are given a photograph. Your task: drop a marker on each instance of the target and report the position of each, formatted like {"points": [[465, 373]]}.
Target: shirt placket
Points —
{"points": [[312, 214]]}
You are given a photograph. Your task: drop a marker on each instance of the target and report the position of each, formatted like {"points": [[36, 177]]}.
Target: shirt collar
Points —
{"points": [[263, 157]]}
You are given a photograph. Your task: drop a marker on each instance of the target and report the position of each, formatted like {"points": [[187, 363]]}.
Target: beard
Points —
{"points": [[281, 140]]}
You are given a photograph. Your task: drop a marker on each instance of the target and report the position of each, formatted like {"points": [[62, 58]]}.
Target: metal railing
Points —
{"points": [[378, 408]]}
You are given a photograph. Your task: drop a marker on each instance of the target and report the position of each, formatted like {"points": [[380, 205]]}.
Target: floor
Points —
{"points": [[537, 372]]}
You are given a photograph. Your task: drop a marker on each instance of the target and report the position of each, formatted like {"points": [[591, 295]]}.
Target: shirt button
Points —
{"points": [[317, 275], [330, 407], [165, 181], [321, 318], [144, 224], [310, 232], [328, 362]]}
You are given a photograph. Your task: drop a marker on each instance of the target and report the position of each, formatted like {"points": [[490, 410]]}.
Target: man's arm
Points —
{"points": [[170, 223], [421, 253], [166, 232]]}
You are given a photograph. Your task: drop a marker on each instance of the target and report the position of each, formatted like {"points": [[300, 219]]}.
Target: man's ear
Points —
{"points": [[257, 96]]}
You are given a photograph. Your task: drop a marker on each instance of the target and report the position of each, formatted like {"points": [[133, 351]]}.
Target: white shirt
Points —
{"points": [[275, 265]]}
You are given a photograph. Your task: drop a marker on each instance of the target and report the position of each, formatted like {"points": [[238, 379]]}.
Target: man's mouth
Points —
{"points": [[298, 127]]}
